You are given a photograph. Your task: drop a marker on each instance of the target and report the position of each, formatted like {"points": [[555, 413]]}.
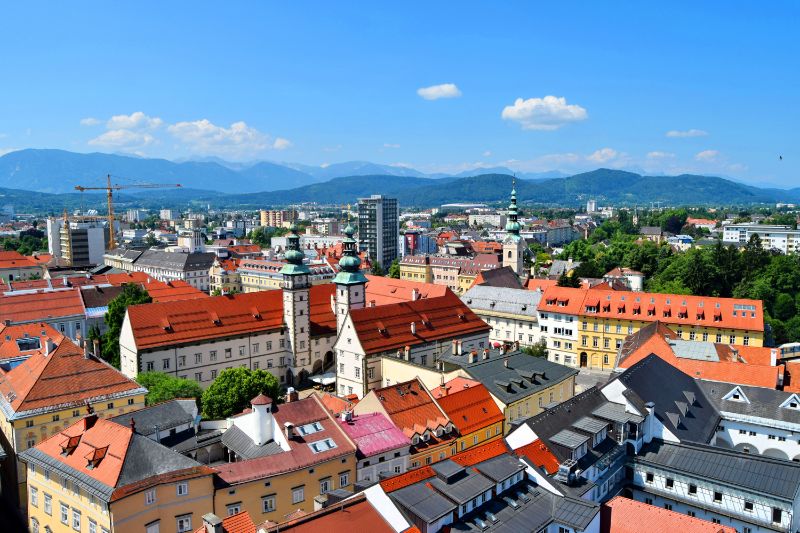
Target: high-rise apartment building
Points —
{"points": [[79, 241], [378, 228], [276, 218]]}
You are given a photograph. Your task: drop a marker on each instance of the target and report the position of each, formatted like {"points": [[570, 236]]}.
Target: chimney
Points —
{"points": [[291, 395], [414, 295], [407, 352], [212, 523], [413, 328], [133, 424], [86, 353], [648, 434], [372, 303], [96, 346], [773, 356], [89, 421], [320, 502], [455, 347], [64, 281], [49, 347], [505, 362], [288, 428], [473, 356], [347, 416], [485, 353]]}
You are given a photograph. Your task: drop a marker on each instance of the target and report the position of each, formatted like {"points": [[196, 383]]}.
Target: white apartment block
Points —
{"points": [[782, 238]]}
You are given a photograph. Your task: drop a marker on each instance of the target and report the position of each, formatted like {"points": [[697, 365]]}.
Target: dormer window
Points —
{"points": [[736, 395], [792, 402]]}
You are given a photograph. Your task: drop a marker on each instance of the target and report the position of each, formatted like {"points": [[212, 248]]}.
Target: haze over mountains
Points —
{"points": [[54, 173]]}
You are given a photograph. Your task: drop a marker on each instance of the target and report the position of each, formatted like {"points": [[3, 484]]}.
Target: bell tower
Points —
{"points": [[350, 281], [513, 245], [296, 307]]}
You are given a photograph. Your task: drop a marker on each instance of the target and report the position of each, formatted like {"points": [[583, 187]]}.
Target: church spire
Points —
{"points": [[349, 265], [513, 226], [294, 256]]}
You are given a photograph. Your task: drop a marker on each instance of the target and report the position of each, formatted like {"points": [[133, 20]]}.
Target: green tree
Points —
{"points": [[394, 269], [151, 240], [537, 350], [565, 280], [233, 389], [377, 269], [131, 295], [784, 307], [163, 387]]}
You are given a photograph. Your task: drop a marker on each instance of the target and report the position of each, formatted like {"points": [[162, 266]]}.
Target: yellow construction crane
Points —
{"points": [[109, 188]]}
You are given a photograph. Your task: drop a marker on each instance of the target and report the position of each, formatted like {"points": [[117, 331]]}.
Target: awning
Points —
{"points": [[328, 378]]}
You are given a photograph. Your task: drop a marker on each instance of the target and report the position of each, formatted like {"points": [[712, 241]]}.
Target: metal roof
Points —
{"points": [[500, 468], [615, 412], [743, 471], [423, 502], [569, 439], [590, 425], [162, 416], [466, 487], [503, 300], [698, 351], [763, 402], [238, 442]]}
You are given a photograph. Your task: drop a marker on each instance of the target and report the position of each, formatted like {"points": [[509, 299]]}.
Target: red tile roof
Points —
{"points": [[697, 310], [41, 305], [540, 455], [355, 514], [245, 249], [412, 408], [65, 377], [534, 284], [388, 327], [9, 335], [385, 290], [13, 260], [471, 409], [334, 404], [299, 413], [238, 523], [623, 515]]}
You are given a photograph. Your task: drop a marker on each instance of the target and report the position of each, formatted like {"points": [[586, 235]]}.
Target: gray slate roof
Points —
{"points": [[238, 442], [764, 403], [774, 477], [163, 416], [423, 502], [508, 383], [176, 260], [560, 266], [680, 404], [502, 300], [147, 458]]}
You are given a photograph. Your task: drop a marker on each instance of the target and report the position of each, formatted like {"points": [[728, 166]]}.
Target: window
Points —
{"points": [[228, 353], [268, 504], [30, 443], [777, 515], [358, 371], [198, 376], [48, 504], [241, 350], [344, 479], [691, 513], [324, 485], [298, 494], [649, 477], [153, 527], [717, 497], [670, 483], [34, 525], [110, 405], [648, 501], [181, 360], [198, 358], [668, 506], [76, 520], [182, 489], [150, 497], [716, 520], [34, 492], [748, 506], [92, 526], [165, 364], [692, 488], [184, 523], [64, 514], [255, 347], [56, 418], [213, 374], [149, 366], [234, 508]]}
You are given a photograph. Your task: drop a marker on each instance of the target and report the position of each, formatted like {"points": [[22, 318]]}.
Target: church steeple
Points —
{"points": [[294, 256], [296, 307], [513, 245], [350, 281], [513, 226]]}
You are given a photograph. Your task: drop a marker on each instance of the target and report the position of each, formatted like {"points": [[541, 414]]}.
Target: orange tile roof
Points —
{"points": [[245, 249], [385, 290], [623, 515], [12, 259], [238, 523], [104, 437], [388, 327], [729, 369], [411, 407], [648, 307], [65, 377], [40, 305], [454, 385], [9, 335], [469, 457], [471, 409], [535, 284], [355, 514], [334, 404], [540, 455]]}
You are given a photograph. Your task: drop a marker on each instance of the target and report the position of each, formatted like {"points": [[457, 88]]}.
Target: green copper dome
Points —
{"points": [[512, 226], [349, 265], [294, 256]]}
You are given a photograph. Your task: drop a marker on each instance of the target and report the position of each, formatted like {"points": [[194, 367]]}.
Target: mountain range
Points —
{"points": [[44, 180]]}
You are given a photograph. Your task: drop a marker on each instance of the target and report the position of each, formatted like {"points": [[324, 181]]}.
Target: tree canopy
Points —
{"points": [[131, 294], [163, 387], [394, 269], [233, 389]]}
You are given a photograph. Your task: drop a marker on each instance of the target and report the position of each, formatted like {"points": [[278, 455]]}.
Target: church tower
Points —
{"points": [[513, 245], [296, 308], [350, 281]]}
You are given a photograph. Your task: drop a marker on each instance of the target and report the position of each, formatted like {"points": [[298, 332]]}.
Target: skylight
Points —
{"points": [[322, 445]]}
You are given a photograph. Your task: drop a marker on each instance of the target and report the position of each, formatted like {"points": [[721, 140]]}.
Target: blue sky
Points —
{"points": [[708, 87]]}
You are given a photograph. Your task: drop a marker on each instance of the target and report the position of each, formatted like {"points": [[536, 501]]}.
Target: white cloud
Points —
{"points": [[90, 121], [487, 153], [660, 155], [435, 92], [123, 139], [603, 155], [687, 133], [134, 121], [548, 113], [281, 144], [205, 137], [708, 156], [391, 145]]}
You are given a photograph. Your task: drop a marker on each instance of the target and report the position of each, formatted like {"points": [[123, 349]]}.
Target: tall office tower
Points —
{"points": [[378, 228]]}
